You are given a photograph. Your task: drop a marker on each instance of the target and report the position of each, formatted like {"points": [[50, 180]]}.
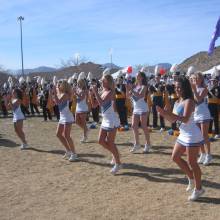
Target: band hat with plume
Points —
{"points": [[28, 80], [106, 72], [191, 70], [42, 82], [21, 80], [75, 76], [82, 75], [9, 79], [11, 85], [90, 76], [38, 80], [144, 69], [54, 80], [174, 68], [156, 70], [70, 80], [215, 72]]}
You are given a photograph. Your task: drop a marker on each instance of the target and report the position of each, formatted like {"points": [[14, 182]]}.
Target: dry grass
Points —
{"points": [[39, 184]]}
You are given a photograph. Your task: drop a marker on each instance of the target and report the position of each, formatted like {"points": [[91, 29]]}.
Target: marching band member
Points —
{"points": [[157, 91], [44, 102], [213, 104], [94, 103], [120, 95], [33, 99]]}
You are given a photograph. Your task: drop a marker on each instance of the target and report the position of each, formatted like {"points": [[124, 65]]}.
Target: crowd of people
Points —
{"points": [[189, 102]]}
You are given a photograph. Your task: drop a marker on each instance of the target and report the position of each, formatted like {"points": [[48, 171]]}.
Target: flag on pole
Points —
{"points": [[215, 36]]}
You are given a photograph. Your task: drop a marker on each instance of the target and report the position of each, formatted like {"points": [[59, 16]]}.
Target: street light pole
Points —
{"points": [[20, 19]]}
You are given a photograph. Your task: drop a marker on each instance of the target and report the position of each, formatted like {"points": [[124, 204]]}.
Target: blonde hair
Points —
{"points": [[110, 81], [199, 75], [81, 84], [65, 86]]}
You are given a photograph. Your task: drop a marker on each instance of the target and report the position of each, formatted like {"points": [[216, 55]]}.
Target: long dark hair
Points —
{"points": [[186, 87], [18, 93], [144, 78]]}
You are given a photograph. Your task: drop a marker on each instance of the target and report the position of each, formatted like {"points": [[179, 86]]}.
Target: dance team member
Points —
{"points": [[18, 116], [202, 115], [81, 93], [140, 110], [62, 96], [190, 138], [110, 120]]}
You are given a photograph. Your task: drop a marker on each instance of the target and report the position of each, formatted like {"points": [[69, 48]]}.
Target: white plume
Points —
{"points": [[21, 80], [191, 70], [174, 68], [28, 79], [106, 72], [54, 80], [82, 75], [156, 70], [70, 80], [42, 81]]}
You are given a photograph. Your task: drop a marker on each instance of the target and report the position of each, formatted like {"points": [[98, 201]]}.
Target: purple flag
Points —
{"points": [[215, 35]]}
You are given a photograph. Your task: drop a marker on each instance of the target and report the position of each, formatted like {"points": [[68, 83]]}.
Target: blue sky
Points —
{"points": [[139, 31]]}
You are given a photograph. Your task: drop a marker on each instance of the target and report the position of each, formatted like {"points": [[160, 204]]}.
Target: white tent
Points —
{"points": [[212, 70], [117, 74]]}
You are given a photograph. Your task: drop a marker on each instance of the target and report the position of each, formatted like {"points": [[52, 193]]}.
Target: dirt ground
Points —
{"points": [[39, 184]]}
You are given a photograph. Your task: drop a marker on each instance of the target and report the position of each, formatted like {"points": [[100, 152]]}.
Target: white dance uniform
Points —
{"points": [[17, 113], [190, 134], [66, 116], [81, 105], [110, 119], [202, 113], [139, 104]]}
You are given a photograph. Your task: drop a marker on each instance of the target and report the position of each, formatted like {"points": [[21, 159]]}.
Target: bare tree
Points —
{"points": [[140, 66], [73, 61]]}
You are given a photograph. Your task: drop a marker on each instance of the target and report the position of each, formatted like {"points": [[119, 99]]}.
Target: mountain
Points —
{"points": [[36, 70], [201, 61], [166, 66], [110, 65], [95, 69]]}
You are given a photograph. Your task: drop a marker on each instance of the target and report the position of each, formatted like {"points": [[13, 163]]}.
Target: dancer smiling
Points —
{"points": [[202, 115], [82, 107], [190, 138], [110, 120], [62, 95], [137, 94]]}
